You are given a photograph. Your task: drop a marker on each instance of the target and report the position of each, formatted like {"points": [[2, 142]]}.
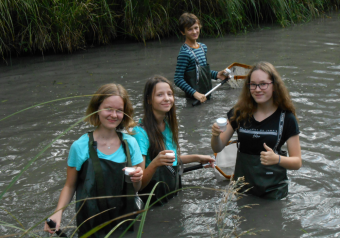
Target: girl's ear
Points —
{"points": [[183, 33]]}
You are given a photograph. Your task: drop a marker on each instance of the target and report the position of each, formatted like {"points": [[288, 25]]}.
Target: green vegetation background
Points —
{"points": [[34, 26]]}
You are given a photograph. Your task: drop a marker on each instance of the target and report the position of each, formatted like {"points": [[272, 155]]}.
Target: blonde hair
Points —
{"points": [[104, 92]]}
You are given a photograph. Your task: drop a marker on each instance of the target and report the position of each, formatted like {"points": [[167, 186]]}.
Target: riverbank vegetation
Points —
{"points": [[40, 26]]}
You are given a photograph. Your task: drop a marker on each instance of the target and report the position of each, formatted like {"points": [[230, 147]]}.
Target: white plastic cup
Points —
{"points": [[128, 170], [171, 153], [222, 123]]}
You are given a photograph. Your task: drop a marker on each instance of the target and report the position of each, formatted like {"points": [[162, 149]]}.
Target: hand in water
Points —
{"points": [[200, 97], [268, 157]]}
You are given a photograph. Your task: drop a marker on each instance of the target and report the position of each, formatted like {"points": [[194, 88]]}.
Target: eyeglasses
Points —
{"points": [[262, 86]]}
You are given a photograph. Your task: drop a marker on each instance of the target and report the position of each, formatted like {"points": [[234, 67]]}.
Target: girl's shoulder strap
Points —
{"points": [[125, 145]]}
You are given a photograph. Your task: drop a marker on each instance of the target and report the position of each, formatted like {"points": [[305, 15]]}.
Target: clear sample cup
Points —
{"points": [[222, 123], [128, 170]]}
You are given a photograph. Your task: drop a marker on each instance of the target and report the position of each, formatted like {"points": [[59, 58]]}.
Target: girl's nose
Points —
{"points": [[114, 113]]}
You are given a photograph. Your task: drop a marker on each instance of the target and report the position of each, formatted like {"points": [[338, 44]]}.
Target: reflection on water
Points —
{"points": [[305, 55]]}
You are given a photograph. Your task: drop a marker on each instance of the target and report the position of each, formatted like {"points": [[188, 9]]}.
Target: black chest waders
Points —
{"points": [[199, 78], [171, 178], [268, 181], [100, 177]]}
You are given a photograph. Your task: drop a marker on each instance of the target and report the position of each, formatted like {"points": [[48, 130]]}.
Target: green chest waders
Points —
{"points": [[267, 181], [172, 181], [100, 177], [200, 78]]}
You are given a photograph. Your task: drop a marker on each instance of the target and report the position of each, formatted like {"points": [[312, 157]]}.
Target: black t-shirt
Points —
{"points": [[252, 135]]}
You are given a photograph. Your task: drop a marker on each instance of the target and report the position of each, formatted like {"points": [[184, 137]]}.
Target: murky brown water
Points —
{"points": [[307, 56]]}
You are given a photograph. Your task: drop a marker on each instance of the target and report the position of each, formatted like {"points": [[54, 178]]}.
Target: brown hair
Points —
{"points": [[186, 20], [149, 120], [246, 105], [104, 92]]}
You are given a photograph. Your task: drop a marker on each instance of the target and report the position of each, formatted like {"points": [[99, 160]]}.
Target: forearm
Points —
{"points": [[216, 144], [148, 174], [291, 163], [137, 185], [213, 74], [189, 158], [182, 64], [65, 197]]}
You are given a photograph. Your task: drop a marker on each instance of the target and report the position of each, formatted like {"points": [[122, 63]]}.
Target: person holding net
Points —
{"points": [[264, 118], [193, 74]]}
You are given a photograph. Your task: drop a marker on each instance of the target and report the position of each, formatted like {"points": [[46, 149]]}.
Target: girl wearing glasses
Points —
{"points": [[264, 118]]}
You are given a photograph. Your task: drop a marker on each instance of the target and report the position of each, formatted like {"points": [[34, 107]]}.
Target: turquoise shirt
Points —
{"points": [[144, 144], [79, 152]]}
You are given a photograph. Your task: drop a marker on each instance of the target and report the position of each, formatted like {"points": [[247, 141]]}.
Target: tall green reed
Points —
{"points": [[34, 26]]}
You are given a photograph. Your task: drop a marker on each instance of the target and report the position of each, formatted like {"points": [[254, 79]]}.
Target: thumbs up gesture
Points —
{"points": [[268, 157]]}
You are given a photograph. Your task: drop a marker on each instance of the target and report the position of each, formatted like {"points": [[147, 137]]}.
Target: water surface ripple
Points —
{"points": [[307, 56]]}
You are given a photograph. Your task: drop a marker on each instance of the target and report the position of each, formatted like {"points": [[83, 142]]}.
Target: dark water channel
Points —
{"points": [[308, 58]]}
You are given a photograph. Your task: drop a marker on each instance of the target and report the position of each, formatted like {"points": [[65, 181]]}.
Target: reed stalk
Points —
{"points": [[40, 26]]}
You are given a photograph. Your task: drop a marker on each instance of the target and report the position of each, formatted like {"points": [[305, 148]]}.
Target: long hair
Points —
{"points": [[149, 121], [246, 105], [104, 92]]}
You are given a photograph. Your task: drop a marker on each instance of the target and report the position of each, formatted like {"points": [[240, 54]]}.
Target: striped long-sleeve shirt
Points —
{"points": [[186, 62]]}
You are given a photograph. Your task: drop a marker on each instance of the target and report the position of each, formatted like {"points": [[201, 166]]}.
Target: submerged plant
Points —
{"points": [[227, 221]]}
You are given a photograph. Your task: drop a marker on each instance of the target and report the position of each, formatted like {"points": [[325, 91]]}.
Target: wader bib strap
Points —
{"points": [[99, 178], [269, 181], [200, 78], [130, 190]]}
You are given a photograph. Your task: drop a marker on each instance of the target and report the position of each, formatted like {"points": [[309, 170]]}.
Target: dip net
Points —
{"points": [[239, 72]]}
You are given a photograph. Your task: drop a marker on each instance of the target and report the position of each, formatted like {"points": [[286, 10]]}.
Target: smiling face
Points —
{"points": [[162, 98], [261, 96], [114, 114], [192, 33]]}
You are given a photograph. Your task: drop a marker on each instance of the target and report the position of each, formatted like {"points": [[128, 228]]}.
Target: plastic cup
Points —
{"points": [[171, 153], [128, 170], [222, 123]]}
